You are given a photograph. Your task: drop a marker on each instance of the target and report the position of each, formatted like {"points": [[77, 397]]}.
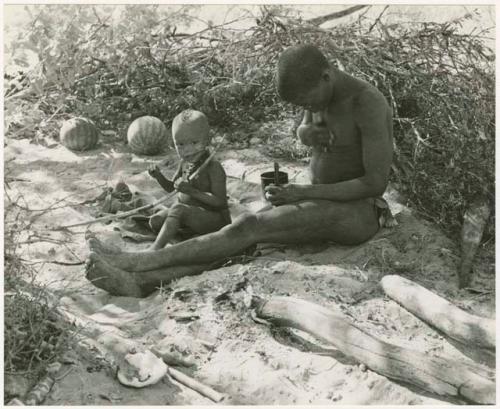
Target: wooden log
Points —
{"points": [[438, 375], [440, 313]]}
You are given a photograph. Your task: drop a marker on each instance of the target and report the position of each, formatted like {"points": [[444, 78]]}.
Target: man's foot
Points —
{"points": [[97, 246], [112, 254], [111, 279]]}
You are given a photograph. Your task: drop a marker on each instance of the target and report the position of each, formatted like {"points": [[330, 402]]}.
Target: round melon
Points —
{"points": [[147, 135], [79, 134]]}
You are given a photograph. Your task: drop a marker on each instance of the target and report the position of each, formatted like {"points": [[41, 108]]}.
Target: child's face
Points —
{"points": [[190, 146]]}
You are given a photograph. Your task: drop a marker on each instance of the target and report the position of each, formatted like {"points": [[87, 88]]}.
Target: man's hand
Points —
{"points": [[154, 172], [315, 135], [184, 187], [279, 195]]}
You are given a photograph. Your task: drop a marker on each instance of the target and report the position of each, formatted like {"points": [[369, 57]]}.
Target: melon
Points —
{"points": [[79, 134], [147, 135]]}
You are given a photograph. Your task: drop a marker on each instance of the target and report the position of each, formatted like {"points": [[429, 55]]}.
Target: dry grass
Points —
{"points": [[34, 334]]}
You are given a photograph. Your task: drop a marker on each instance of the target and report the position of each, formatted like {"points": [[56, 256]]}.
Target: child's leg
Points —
{"points": [[174, 217], [199, 220], [167, 232]]}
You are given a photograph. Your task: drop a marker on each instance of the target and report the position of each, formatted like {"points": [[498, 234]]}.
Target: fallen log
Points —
{"points": [[440, 313], [438, 375]]}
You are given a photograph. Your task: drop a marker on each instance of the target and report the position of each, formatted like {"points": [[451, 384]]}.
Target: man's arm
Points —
{"points": [[371, 115], [312, 131]]}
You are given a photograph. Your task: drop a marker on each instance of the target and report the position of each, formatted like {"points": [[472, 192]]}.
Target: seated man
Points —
{"points": [[348, 124]]}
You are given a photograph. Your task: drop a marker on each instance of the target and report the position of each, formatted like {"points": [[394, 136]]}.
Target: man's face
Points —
{"points": [[316, 99]]}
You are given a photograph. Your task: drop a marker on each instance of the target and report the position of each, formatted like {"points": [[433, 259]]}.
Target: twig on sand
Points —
{"points": [[139, 209]]}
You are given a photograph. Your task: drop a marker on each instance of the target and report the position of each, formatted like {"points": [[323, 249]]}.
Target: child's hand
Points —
{"points": [[154, 171], [184, 187]]}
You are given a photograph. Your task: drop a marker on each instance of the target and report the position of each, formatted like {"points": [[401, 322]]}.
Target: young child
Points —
{"points": [[201, 205]]}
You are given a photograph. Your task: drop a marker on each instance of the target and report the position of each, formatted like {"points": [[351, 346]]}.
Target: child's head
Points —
{"points": [[300, 70], [190, 132]]}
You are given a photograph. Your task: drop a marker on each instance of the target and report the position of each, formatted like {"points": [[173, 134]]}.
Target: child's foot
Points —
{"points": [[156, 222], [111, 279], [155, 247]]}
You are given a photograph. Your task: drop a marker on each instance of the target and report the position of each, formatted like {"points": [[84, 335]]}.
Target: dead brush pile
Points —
{"points": [[439, 82]]}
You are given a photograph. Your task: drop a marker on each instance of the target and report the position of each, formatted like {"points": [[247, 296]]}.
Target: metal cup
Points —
{"points": [[268, 178]]}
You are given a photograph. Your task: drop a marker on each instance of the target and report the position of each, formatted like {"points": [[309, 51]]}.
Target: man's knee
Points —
{"points": [[245, 224]]}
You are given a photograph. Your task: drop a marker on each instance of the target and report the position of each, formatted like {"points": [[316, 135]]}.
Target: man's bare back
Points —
{"points": [[348, 124]]}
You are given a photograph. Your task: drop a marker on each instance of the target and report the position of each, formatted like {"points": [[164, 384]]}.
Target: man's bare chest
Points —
{"points": [[339, 119]]}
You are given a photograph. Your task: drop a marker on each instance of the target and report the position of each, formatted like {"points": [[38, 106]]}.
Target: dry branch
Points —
{"points": [[437, 375], [332, 16], [464, 327]]}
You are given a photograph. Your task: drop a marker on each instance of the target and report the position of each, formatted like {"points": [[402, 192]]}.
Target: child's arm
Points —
{"points": [[155, 173], [216, 198]]}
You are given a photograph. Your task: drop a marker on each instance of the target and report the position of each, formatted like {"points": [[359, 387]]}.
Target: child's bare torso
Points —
{"points": [[202, 182]]}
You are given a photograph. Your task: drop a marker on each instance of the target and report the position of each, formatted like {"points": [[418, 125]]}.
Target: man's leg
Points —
{"points": [[125, 283], [302, 222]]}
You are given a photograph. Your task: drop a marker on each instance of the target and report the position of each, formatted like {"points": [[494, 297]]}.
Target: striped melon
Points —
{"points": [[147, 135], [79, 134]]}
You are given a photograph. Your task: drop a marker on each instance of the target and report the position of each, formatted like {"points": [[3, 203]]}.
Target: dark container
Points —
{"points": [[267, 178]]}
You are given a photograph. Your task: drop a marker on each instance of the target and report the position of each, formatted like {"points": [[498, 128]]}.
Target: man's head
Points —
{"points": [[303, 77], [190, 132]]}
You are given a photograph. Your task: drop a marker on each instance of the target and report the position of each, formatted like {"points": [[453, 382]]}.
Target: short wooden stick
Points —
{"points": [[204, 390]]}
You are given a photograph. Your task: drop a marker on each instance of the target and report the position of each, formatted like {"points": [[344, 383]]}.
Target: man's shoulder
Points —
{"points": [[369, 101], [369, 94]]}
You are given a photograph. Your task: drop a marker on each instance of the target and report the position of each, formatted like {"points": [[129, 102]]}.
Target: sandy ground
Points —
{"points": [[206, 318]]}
